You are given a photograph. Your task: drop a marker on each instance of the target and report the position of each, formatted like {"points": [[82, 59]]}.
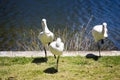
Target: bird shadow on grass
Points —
{"points": [[92, 56], [50, 70], [39, 60]]}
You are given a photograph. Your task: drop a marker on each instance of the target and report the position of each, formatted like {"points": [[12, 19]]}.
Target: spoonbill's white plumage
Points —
{"points": [[46, 36], [57, 47], [99, 33]]}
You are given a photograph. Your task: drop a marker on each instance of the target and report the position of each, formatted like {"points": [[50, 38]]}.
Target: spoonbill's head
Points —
{"points": [[104, 24], [43, 22], [58, 42]]}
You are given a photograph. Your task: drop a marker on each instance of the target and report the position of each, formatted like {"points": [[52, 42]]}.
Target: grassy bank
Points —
{"points": [[70, 68]]}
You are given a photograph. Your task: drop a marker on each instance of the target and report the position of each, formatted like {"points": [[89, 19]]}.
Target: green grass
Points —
{"points": [[70, 68]]}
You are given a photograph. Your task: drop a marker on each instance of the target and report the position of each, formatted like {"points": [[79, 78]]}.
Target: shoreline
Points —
{"points": [[65, 53]]}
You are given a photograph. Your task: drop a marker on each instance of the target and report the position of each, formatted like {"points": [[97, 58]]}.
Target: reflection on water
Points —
{"points": [[20, 20]]}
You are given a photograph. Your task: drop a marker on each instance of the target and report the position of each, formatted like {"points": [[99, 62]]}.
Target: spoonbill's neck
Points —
{"points": [[45, 28], [104, 31]]}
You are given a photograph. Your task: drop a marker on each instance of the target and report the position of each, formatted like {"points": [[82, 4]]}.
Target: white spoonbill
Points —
{"points": [[99, 33], [57, 47], [46, 36]]}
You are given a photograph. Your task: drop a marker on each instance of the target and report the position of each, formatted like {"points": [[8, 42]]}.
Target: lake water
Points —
{"points": [[27, 14]]}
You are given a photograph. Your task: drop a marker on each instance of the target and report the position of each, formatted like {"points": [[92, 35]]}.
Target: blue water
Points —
{"points": [[72, 13]]}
